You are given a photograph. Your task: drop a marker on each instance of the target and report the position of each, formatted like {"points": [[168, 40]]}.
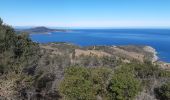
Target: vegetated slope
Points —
{"points": [[41, 30], [64, 71]]}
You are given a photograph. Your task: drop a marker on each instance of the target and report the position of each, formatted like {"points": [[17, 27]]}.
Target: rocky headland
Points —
{"points": [[40, 30]]}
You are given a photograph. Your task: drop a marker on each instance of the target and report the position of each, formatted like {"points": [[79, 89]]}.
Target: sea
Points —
{"points": [[157, 38]]}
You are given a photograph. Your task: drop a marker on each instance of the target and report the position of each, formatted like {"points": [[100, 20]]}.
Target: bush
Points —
{"points": [[17, 52], [7, 38], [100, 78], [82, 83], [77, 71], [77, 85], [146, 70], [123, 85], [164, 73], [163, 92], [110, 61]]}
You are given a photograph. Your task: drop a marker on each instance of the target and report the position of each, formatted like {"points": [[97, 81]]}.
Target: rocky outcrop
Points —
{"points": [[153, 52]]}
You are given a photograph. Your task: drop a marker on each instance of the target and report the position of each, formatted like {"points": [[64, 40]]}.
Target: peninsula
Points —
{"points": [[40, 30]]}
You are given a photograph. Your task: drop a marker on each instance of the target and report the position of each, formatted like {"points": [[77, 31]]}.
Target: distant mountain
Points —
{"points": [[40, 30]]}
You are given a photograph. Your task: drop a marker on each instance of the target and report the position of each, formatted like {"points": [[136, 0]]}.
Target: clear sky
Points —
{"points": [[86, 13]]}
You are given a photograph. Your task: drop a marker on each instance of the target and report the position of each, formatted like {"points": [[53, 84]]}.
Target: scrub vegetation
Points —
{"points": [[61, 71]]}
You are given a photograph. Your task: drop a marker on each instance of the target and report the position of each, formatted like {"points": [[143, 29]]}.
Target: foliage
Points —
{"points": [[164, 73], [7, 38], [110, 61], [19, 58], [76, 84], [123, 85], [146, 70], [1, 21], [78, 71], [100, 77], [82, 83], [163, 92], [42, 80], [17, 50], [17, 54]]}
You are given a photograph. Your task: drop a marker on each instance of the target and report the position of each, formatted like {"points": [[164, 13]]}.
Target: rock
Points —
{"points": [[152, 51]]}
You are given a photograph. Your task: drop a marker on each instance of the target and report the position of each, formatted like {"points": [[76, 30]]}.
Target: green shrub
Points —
{"points": [[77, 85], [100, 78], [123, 85], [110, 61], [164, 73], [77, 71], [147, 70], [18, 54], [144, 70], [163, 92], [82, 83]]}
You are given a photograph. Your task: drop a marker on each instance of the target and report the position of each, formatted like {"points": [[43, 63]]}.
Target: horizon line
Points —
{"points": [[104, 27]]}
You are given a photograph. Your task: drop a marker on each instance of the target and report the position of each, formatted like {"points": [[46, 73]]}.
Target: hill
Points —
{"points": [[41, 30], [63, 71]]}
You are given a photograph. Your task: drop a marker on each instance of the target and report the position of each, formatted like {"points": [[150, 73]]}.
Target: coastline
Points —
{"points": [[164, 65], [153, 51], [46, 32], [138, 52]]}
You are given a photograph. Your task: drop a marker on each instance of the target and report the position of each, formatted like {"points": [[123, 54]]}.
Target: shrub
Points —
{"points": [[164, 73], [144, 70], [123, 85], [77, 71], [76, 84], [100, 78], [17, 52], [82, 83], [163, 92]]}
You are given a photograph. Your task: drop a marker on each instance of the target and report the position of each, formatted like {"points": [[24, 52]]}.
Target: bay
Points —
{"points": [[157, 38]]}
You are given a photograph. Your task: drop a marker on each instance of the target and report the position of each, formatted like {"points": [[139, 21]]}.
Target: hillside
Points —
{"points": [[63, 71], [41, 30]]}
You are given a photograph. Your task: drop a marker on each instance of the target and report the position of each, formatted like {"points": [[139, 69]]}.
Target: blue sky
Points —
{"points": [[86, 13]]}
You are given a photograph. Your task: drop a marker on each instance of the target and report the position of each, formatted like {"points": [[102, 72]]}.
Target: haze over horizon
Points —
{"points": [[87, 13]]}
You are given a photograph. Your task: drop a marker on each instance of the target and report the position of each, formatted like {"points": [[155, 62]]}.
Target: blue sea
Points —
{"points": [[157, 38]]}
